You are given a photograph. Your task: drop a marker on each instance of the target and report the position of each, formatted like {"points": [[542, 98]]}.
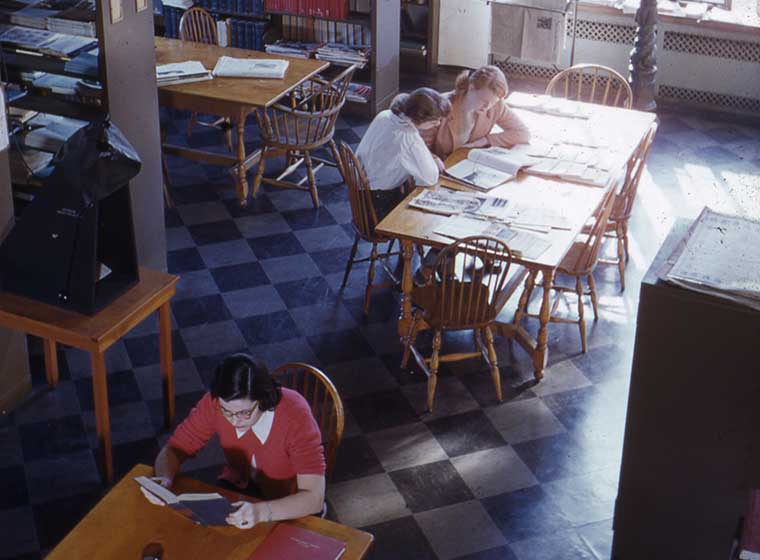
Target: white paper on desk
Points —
{"points": [[186, 68], [229, 67]]}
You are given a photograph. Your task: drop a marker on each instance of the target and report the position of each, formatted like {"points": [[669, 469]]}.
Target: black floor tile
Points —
{"points": [[331, 261], [380, 410], [399, 539], [127, 455], [145, 350], [465, 433], [239, 276], [57, 518], [13, 492], [43, 440], [268, 328], [184, 260], [259, 205], [122, 389], [431, 486], [307, 291], [524, 514], [355, 459], [500, 553], [340, 346], [308, 218], [278, 245], [214, 232], [198, 311]]}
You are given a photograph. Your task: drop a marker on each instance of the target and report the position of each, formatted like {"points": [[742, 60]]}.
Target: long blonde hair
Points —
{"points": [[488, 76]]}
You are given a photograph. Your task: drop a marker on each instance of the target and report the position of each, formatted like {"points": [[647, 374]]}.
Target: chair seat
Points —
{"points": [[569, 263]]}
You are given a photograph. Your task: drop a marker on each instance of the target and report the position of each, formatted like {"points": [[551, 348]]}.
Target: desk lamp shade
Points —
{"points": [[74, 245]]}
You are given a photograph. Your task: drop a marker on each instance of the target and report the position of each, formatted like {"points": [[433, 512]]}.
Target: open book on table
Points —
{"points": [[204, 509], [228, 67], [181, 73], [521, 243], [448, 202], [296, 543], [487, 168]]}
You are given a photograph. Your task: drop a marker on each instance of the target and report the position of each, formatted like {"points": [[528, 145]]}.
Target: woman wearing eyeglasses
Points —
{"points": [[269, 438]]}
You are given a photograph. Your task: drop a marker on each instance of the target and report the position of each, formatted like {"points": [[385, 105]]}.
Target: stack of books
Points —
{"points": [[79, 20], [46, 42], [359, 93], [344, 55], [296, 49], [181, 73], [32, 16]]}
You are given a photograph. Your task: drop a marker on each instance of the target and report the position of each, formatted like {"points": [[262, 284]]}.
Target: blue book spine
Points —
{"points": [[240, 35]]}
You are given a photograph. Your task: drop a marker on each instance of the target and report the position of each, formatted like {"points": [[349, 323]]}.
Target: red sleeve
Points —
{"points": [[195, 430], [304, 440]]}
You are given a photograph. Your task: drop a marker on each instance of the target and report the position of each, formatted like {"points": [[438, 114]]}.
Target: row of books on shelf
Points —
{"points": [[251, 8], [330, 9], [245, 34], [46, 42], [296, 28], [76, 17]]}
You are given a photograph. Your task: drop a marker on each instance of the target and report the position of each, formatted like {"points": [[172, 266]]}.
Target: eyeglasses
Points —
{"points": [[241, 414]]}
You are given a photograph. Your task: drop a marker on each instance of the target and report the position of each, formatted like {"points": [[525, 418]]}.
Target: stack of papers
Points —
{"points": [[181, 73], [295, 49], [557, 106], [359, 93], [521, 243], [79, 20], [720, 257], [46, 42], [32, 17], [344, 55], [229, 67], [49, 132]]}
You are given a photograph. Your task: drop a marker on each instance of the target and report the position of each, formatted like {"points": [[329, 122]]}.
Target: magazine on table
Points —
{"points": [[229, 67], [291, 542], [205, 508], [448, 202], [521, 243], [181, 73], [487, 168]]}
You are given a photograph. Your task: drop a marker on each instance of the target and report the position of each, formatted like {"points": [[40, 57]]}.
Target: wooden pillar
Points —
{"points": [[643, 66]]}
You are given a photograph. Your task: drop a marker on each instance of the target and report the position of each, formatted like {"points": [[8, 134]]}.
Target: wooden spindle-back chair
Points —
{"points": [[617, 226], [322, 396], [198, 26], [363, 220], [580, 262], [592, 83], [471, 281], [295, 130]]}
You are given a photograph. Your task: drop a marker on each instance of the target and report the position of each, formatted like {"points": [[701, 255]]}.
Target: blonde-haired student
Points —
{"points": [[477, 104], [392, 150]]}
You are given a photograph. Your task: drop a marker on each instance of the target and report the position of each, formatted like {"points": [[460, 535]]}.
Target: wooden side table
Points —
{"points": [[95, 334]]}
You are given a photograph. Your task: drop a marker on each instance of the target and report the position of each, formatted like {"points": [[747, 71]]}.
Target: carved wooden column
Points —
{"points": [[643, 66]]}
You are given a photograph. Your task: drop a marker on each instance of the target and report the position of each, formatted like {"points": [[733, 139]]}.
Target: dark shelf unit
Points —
{"points": [[419, 26]]}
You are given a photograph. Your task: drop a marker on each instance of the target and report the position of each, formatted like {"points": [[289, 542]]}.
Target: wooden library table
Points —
{"points": [[233, 98], [625, 130], [123, 522], [95, 334]]}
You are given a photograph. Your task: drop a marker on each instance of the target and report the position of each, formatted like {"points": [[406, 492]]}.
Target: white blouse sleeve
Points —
{"points": [[418, 161]]}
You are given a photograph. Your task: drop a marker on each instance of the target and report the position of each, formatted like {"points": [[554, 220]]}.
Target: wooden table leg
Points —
{"points": [[241, 185], [541, 354], [51, 362], [102, 418], [405, 319], [167, 373]]}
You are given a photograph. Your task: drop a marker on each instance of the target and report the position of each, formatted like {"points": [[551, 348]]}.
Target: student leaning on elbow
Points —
{"points": [[393, 151]]}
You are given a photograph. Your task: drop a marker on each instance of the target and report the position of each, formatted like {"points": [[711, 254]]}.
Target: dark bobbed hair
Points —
{"points": [[239, 376], [421, 105]]}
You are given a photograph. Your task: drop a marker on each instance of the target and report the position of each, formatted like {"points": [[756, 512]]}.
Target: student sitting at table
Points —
{"points": [[269, 438], [477, 104], [393, 151]]}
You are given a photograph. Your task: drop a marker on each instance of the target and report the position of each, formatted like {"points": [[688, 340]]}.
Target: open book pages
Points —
{"points": [[720, 256], [205, 508], [448, 202], [490, 167], [571, 171], [181, 72], [539, 218], [521, 243], [229, 67]]}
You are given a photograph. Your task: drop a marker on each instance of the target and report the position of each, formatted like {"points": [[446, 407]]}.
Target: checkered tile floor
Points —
{"points": [[532, 478]]}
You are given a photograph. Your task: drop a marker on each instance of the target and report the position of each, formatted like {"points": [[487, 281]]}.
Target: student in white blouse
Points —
{"points": [[392, 149]]}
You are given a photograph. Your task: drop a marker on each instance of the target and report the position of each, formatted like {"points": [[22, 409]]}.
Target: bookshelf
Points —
{"points": [[375, 23], [119, 66]]}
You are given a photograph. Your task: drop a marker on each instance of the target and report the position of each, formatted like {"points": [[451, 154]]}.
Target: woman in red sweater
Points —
{"points": [[268, 436]]}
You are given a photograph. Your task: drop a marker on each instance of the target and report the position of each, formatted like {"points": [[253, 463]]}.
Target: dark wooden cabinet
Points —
{"points": [[692, 437]]}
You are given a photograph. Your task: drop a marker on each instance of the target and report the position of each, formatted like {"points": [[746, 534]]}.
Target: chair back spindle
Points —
{"points": [[324, 400], [592, 83], [198, 26], [359, 195], [624, 201], [588, 255]]}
